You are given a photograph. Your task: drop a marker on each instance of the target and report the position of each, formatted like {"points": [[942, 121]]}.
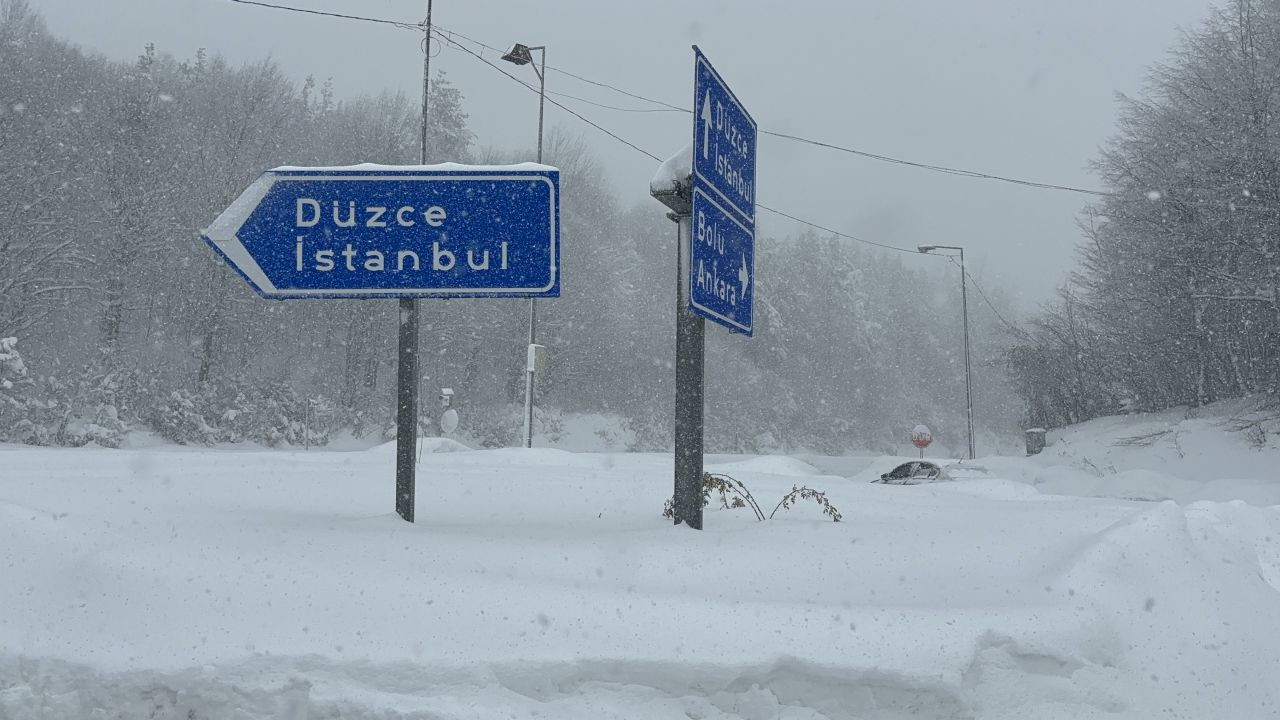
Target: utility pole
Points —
{"points": [[521, 54], [533, 303], [968, 371], [426, 79], [964, 309], [407, 374]]}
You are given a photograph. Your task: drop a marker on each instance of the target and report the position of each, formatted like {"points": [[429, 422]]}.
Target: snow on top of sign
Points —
{"points": [[439, 167], [674, 171]]}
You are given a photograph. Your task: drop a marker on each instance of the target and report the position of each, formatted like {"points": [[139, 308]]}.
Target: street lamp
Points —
{"points": [[523, 55], [964, 305]]}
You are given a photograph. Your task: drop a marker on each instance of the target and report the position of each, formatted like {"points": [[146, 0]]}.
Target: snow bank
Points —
{"points": [[437, 167], [204, 584], [767, 464]]}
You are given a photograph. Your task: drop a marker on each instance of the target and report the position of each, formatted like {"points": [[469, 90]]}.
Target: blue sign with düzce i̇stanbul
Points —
{"points": [[370, 231]]}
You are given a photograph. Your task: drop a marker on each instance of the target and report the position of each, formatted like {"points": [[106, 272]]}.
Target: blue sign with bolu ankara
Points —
{"points": [[376, 231], [722, 251]]}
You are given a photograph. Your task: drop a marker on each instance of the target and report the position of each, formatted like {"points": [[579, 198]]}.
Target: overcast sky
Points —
{"points": [[1023, 88]]}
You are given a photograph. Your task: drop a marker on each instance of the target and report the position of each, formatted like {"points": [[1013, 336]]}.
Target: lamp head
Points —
{"points": [[519, 54], [926, 248]]}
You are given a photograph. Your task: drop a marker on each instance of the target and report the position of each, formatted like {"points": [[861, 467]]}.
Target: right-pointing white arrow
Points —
{"points": [[706, 122]]}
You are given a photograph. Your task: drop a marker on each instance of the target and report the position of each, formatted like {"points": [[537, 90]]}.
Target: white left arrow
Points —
{"points": [[706, 122], [224, 234], [744, 277]]}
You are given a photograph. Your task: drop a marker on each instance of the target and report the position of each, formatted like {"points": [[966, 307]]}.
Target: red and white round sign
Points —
{"points": [[921, 437]]}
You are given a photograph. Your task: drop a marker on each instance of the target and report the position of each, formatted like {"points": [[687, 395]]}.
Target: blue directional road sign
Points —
{"points": [[722, 264], [384, 231], [724, 202]]}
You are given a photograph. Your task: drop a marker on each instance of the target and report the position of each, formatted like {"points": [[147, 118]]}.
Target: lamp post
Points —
{"points": [[523, 55], [964, 305]]}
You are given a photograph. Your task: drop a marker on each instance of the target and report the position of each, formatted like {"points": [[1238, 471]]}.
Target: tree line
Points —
{"points": [[121, 318], [1177, 297]]}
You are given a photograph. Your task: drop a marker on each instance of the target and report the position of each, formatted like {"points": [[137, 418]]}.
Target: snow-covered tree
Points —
{"points": [[1179, 286]]}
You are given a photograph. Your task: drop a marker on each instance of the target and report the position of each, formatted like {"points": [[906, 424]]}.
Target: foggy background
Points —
{"points": [[1014, 88], [117, 161]]}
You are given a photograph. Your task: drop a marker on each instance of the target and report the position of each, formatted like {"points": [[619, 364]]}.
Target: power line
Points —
{"points": [[613, 107], [1019, 332], [668, 107], [562, 71], [938, 168], [402, 25], [961, 172], [619, 138], [816, 226], [448, 37], [601, 128]]}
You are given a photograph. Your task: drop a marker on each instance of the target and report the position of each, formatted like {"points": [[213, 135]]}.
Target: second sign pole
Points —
{"points": [[690, 354]]}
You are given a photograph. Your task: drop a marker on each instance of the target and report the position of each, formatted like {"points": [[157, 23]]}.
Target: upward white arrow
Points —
{"points": [[706, 122]]}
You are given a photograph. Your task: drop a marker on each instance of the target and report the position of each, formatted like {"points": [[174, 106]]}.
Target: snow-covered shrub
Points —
{"points": [[548, 424], [21, 411], [503, 426], [359, 422], [95, 407], [1256, 436], [651, 431], [275, 415], [495, 429], [227, 410], [179, 416]]}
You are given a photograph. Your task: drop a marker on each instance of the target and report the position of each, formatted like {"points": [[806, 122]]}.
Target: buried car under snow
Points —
{"points": [[918, 472]]}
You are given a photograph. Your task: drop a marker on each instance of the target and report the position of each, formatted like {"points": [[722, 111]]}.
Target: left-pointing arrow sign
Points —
{"points": [[368, 231]]}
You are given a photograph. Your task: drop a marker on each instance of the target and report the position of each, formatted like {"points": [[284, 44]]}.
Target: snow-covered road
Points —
{"points": [[174, 583]]}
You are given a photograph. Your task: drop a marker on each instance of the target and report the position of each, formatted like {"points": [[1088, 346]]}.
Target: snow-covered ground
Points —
{"points": [[168, 582]]}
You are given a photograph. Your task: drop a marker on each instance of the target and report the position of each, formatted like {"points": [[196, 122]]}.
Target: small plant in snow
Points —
{"points": [[1256, 436], [734, 494], [803, 492]]}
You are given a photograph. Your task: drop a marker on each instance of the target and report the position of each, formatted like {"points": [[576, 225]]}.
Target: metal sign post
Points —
{"points": [[710, 189], [406, 408], [690, 386]]}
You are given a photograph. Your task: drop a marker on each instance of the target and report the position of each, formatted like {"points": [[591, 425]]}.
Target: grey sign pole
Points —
{"points": [[407, 409], [719, 164], [690, 365], [690, 354], [407, 374]]}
